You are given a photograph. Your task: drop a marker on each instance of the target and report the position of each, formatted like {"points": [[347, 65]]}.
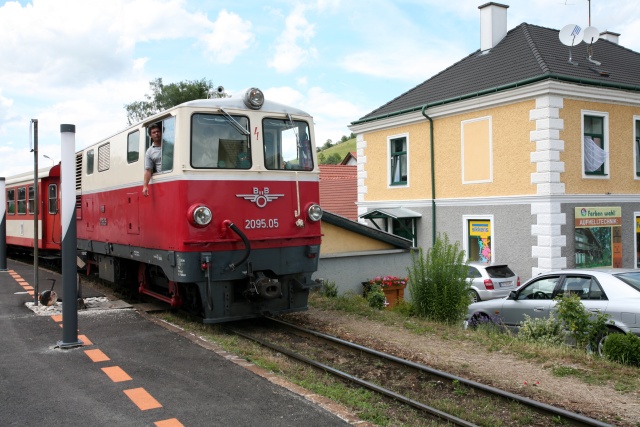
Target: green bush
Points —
{"points": [[586, 327], [547, 330], [622, 348], [375, 297], [437, 282], [329, 289]]}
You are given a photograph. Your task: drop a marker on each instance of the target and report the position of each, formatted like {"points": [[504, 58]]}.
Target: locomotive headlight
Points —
{"points": [[254, 98], [200, 215], [315, 213]]}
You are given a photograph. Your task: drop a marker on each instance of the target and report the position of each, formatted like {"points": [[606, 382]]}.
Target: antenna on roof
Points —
{"points": [[591, 35], [571, 35]]}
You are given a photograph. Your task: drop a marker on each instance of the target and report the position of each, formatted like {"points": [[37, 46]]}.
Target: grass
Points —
{"points": [[341, 148], [561, 361]]}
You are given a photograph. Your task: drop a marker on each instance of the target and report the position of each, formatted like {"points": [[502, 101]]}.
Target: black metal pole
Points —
{"points": [[69, 237], [3, 226]]}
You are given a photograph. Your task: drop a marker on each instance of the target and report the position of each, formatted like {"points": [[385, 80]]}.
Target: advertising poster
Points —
{"points": [[480, 240], [598, 241]]}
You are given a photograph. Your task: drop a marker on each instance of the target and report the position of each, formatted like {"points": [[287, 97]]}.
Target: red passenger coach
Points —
{"points": [[21, 205], [230, 227]]}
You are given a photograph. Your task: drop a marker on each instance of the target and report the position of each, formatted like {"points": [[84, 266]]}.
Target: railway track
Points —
{"points": [[451, 399]]}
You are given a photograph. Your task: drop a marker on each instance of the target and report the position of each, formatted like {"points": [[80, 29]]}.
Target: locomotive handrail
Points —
{"points": [[247, 245]]}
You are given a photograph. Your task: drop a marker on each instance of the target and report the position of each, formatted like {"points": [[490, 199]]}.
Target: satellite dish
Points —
{"points": [[571, 35], [590, 35]]}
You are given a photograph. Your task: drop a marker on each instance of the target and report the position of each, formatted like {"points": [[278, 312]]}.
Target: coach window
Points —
{"points": [[22, 200], [90, 157], [32, 206], [11, 202], [133, 147], [53, 199]]}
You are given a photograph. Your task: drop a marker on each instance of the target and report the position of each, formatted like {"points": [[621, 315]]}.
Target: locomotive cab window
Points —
{"points": [[287, 144], [11, 202], [168, 127], [220, 141]]}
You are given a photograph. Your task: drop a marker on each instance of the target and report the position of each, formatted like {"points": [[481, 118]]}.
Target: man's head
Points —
{"points": [[155, 132]]}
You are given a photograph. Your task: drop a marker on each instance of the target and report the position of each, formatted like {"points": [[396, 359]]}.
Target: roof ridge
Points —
{"points": [[534, 48]]}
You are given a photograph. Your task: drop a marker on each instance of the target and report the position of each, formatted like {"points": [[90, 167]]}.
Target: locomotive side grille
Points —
{"points": [[104, 152], [78, 172]]}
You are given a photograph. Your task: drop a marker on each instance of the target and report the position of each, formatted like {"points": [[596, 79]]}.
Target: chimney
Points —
{"points": [[610, 36], [493, 24]]}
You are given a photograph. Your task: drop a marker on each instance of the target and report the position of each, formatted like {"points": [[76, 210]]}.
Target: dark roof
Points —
{"points": [[526, 53], [365, 230], [339, 190]]}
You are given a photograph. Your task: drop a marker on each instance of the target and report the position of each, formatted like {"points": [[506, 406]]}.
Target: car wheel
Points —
{"points": [[478, 319], [474, 296], [603, 338]]}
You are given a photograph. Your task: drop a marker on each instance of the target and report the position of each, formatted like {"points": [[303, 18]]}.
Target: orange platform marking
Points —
{"points": [[30, 293], [173, 422], [57, 317], [116, 374], [96, 355], [85, 340], [142, 399], [27, 287]]}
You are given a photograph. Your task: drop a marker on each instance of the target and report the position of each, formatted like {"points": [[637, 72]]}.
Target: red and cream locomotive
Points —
{"points": [[230, 228]]}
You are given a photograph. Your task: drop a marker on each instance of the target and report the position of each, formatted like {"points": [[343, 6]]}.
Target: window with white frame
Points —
{"points": [[595, 144], [398, 154], [478, 242]]}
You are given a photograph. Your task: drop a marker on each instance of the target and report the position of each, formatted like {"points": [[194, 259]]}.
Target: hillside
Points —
{"points": [[341, 149]]}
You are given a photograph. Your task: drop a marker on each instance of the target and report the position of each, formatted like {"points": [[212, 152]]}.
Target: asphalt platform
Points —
{"points": [[132, 371]]}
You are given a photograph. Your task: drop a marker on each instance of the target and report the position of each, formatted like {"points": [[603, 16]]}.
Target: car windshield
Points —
{"points": [[631, 278], [499, 271]]}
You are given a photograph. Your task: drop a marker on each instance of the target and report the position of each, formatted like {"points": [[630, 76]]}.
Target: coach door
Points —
{"points": [[51, 230]]}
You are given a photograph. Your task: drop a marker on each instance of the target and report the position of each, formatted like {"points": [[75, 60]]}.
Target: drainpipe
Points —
{"points": [[433, 179]]}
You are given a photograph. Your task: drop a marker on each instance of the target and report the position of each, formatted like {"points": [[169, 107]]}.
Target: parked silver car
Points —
{"points": [[490, 281], [615, 292]]}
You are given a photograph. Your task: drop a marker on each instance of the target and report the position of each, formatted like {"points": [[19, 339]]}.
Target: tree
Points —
{"points": [[333, 159], [327, 144], [163, 97]]}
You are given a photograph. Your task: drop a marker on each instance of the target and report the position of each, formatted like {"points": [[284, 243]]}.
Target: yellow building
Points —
{"points": [[527, 151]]}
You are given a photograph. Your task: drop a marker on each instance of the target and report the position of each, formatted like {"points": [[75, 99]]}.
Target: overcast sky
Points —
{"points": [[81, 61]]}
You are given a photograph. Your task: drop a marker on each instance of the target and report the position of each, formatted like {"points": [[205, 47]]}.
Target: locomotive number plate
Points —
{"points": [[260, 223]]}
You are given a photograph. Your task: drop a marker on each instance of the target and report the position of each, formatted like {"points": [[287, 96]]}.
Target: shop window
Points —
{"points": [[478, 242], [398, 166], [595, 146]]}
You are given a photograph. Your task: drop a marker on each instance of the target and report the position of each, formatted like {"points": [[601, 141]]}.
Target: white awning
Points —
{"points": [[394, 213]]}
